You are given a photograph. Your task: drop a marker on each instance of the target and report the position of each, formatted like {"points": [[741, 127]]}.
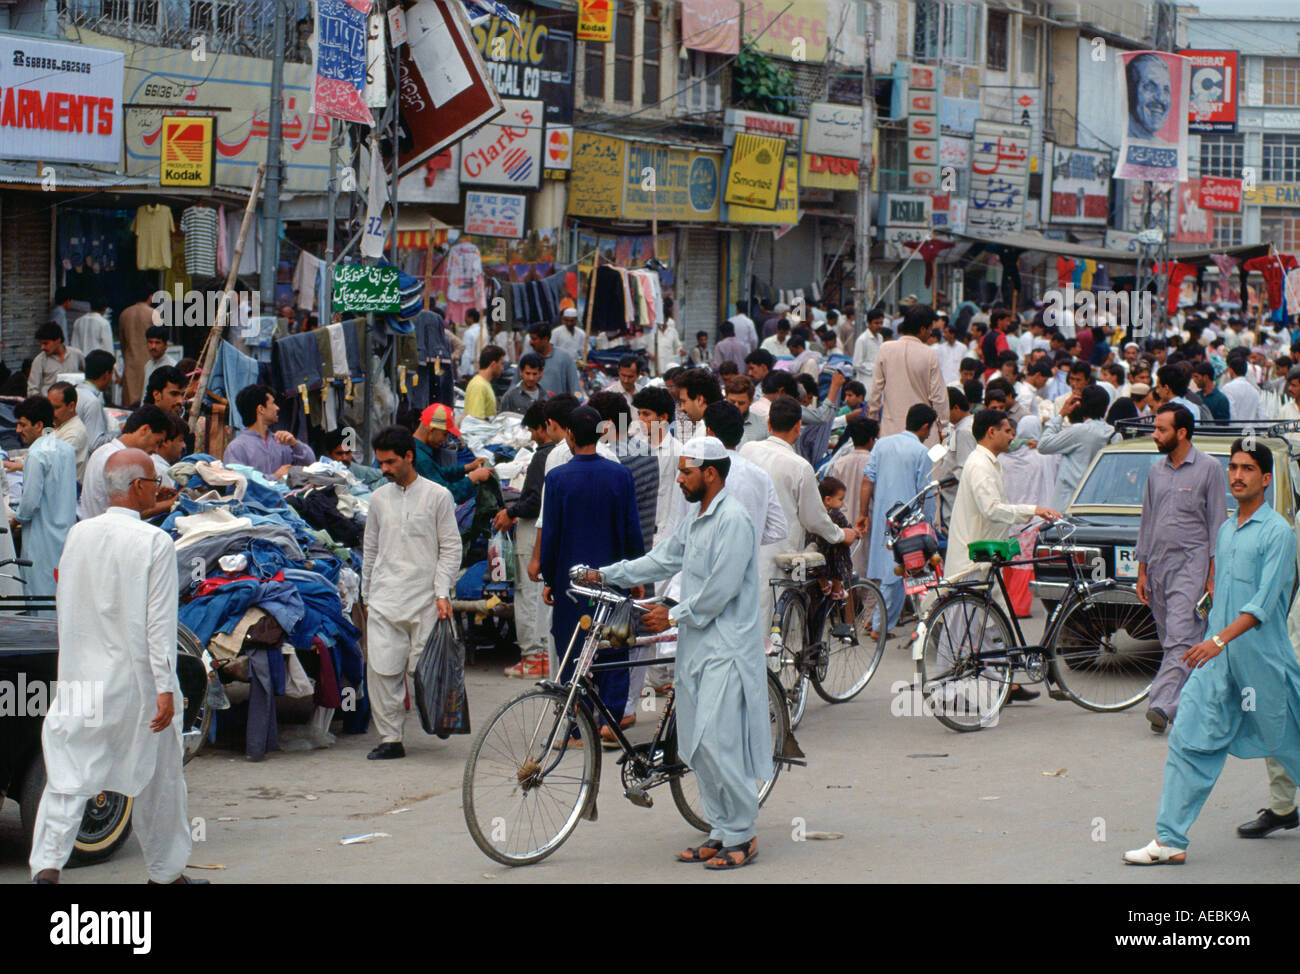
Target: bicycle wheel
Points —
{"points": [[1105, 654], [849, 657], [522, 802], [685, 787], [785, 664], [964, 694]]}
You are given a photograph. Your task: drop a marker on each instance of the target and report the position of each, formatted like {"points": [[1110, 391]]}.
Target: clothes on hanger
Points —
{"points": [[305, 280], [465, 288], [199, 224], [153, 226], [1274, 267]]}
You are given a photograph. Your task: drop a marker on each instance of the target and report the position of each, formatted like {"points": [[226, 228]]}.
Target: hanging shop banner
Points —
{"points": [[494, 214], [834, 130], [827, 172], [187, 151], [670, 184], [754, 176], [1223, 195], [338, 51], [596, 185], [60, 102], [596, 20], [1195, 224], [1212, 100], [786, 212], [1153, 85], [790, 29], [445, 92], [508, 151], [711, 25], [534, 62], [999, 177], [359, 288], [1076, 186]]}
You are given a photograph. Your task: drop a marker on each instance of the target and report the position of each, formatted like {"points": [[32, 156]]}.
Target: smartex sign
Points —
{"points": [[60, 102]]}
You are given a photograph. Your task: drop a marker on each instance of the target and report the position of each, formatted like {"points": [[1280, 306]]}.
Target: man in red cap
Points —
{"points": [[436, 424]]}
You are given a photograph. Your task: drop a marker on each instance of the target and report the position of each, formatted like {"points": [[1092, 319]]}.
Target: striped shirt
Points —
{"points": [[643, 464], [199, 224]]}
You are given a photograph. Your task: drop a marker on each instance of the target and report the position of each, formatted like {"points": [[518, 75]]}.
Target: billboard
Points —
{"points": [[534, 62], [1155, 88], [999, 177], [1076, 186], [508, 151], [1212, 101]]}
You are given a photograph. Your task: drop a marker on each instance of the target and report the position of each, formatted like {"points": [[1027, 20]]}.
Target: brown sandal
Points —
{"points": [[702, 853], [735, 856]]}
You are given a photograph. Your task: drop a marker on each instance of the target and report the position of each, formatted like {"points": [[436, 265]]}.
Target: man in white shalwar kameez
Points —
{"points": [[410, 557], [721, 688], [117, 596]]}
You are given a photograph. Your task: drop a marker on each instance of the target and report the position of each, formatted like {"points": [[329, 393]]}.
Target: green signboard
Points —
{"points": [[359, 288]]}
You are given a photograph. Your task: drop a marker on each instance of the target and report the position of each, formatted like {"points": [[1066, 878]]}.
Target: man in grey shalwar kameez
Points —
{"points": [[1182, 508], [721, 686]]}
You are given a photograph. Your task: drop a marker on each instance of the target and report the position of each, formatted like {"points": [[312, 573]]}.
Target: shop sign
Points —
{"points": [[1212, 102], [494, 214], [827, 172], [361, 288], [1195, 224], [787, 203], [1223, 195], [508, 151], [670, 184], [187, 150], [834, 130], [559, 147], [596, 20], [761, 123], [60, 102], [534, 61], [791, 29], [1076, 186], [999, 177], [1274, 194], [596, 186], [754, 176]]}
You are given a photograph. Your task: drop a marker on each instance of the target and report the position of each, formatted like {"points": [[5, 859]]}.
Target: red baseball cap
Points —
{"points": [[439, 417]]}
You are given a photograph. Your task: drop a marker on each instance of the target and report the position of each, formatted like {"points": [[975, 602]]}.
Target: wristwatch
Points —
{"points": [[671, 621], [1217, 641]]}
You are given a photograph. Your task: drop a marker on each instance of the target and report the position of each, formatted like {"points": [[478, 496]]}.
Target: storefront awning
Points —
{"points": [[65, 176], [413, 231], [1031, 240]]}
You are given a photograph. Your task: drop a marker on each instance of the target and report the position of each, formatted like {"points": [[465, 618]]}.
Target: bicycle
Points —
{"points": [[527, 786], [967, 650], [810, 646]]}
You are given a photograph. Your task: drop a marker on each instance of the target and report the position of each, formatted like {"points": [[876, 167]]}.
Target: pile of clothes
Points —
{"points": [[269, 578]]}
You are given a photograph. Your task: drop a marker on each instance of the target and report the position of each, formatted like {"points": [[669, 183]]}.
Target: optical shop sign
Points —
{"points": [[362, 287], [60, 102]]}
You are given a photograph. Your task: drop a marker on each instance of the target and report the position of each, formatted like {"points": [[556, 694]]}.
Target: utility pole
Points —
{"points": [[862, 255], [274, 169]]}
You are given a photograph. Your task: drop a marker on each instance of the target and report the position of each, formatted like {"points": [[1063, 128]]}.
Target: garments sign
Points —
{"points": [[711, 25], [494, 214], [1076, 186], [790, 29], [827, 172], [537, 62], [786, 212], [338, 52], [596, 186], [923, 127], [559, 147], [999, 177], [445, 93], [1223, 195], [1154, 91], [359, 288], [1195, 224], [670, 184], [1212, 101], [834, 130], [596, 20], [60, 102], [754, 176], [1273, 194], [187, 150], [506, 152]]}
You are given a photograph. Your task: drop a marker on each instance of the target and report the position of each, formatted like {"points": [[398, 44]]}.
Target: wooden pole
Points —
{"points": [[213, 342]]}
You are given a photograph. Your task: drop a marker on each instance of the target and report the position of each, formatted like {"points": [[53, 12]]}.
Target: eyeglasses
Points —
{"points": [[156, 481]]}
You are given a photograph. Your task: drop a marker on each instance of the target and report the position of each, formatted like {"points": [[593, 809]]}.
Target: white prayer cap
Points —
{"points": [[703, 448]]}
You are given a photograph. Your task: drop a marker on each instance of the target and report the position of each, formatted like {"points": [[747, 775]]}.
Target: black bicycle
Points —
{"points": [[1100, 648], [534, 770]]}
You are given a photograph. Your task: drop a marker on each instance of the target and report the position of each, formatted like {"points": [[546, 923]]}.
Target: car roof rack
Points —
{"points": [[1143, 426]]}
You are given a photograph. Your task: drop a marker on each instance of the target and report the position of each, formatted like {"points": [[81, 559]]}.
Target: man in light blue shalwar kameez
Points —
{"points": [[898, 470], [723, 726], [1243, 694], [48, 507]]}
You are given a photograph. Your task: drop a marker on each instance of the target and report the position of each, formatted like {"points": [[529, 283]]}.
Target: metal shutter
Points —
{"points": [[25, 221], [698, 302]]}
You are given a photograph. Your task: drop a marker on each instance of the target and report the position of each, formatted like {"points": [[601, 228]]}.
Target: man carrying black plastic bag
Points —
{"points": [[440, 683]]}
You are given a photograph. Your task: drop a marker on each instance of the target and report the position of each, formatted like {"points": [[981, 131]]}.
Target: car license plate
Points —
{"points": [[1126, 565]]}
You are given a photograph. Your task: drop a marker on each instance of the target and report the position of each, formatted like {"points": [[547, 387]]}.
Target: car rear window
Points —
{"points": [[1119, 479]]}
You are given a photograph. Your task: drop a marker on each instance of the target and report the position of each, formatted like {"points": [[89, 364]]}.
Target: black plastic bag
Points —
{"points": [[440, 683]]}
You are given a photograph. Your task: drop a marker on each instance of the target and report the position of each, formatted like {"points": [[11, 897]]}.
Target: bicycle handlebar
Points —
{"points": [[602, 593]]}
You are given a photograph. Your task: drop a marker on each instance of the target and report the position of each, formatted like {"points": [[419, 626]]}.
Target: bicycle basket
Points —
{"points": [[991, 550]]}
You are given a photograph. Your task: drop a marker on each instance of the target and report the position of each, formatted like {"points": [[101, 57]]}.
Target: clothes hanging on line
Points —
{"points": [[1274, 267], [306, 275], [465, 287]]}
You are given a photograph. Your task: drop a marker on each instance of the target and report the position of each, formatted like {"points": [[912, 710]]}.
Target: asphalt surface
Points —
{"points": [[1053, 793]]}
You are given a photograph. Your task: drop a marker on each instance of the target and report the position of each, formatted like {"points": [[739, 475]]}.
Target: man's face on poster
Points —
{"points": [[1150, 97]]}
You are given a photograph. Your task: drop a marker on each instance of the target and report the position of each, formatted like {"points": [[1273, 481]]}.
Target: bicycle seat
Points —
{"points": [[807, 559], [984, 551]]}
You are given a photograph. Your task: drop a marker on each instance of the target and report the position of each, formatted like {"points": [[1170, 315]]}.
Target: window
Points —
{"points": [[1222, 155], [1281, 81], [961, 31], [650, 45], [1227, 230], [624, 51], [995, 57], [146, 12], [593, 83], [115, 10], [893, 168], [1029, 50], [1279, 228], [227, 18], [201, 15], [1281, 158]]}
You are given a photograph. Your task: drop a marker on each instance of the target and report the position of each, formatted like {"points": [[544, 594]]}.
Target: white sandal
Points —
{"points": [[1155, 854]]}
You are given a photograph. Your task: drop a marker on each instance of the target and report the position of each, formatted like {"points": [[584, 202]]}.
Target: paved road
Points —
{"points": [[915, 803]]}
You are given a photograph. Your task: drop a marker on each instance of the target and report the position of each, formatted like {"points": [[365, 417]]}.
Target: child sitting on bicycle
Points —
{"points": [[838, 561]]}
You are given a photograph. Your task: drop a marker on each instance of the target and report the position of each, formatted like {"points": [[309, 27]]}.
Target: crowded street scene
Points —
{"points": [[567, 441]]}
